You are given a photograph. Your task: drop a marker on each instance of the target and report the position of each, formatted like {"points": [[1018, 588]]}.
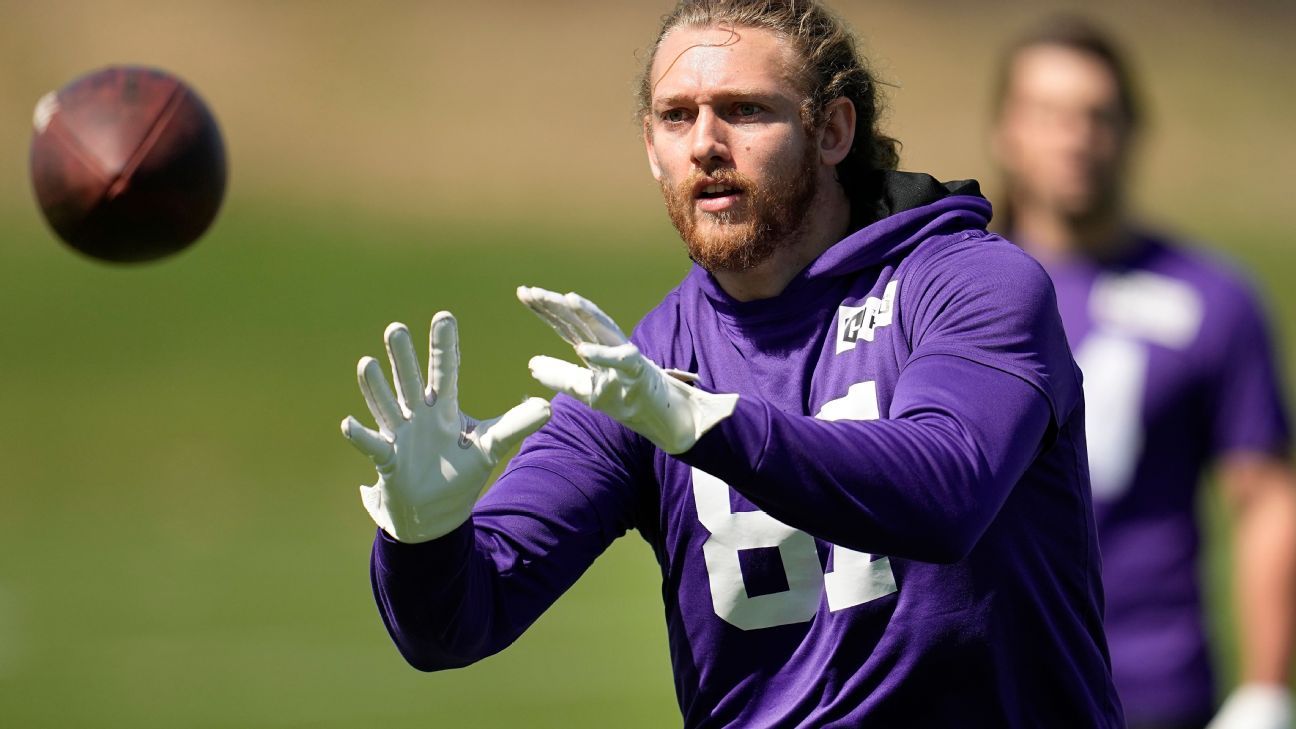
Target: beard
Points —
{"points": [[768, 216]]}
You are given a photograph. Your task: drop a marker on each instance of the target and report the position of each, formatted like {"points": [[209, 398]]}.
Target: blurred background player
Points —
{"points": [[1179, 375]]}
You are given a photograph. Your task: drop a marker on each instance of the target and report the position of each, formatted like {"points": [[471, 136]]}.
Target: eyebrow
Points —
{"points": [[721, 95]]}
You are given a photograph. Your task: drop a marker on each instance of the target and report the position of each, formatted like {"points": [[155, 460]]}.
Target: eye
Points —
{"points": [[746, 110], [675, 116]]}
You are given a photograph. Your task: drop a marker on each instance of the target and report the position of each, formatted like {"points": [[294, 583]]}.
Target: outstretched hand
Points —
{"points": [[619, 380], [432, 459]]}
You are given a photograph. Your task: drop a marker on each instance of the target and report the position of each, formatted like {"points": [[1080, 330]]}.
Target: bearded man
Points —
{"points": [[852, 436]]}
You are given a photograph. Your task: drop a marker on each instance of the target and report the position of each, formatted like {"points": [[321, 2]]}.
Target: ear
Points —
{"points": [[653, 163], [838, 133]]}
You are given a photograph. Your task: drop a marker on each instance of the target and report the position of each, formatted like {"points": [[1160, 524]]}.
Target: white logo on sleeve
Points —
{"points": [[860, 322]]}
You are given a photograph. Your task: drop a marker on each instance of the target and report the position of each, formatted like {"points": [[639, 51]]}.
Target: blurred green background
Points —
{"points": [[182, 540]]}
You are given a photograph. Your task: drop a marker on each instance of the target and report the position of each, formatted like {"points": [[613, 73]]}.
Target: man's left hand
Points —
{"points": [[619, 380]]}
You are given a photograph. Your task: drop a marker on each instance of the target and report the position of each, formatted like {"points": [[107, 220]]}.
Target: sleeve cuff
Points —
{"points": [[734, 448], [437, 559]]}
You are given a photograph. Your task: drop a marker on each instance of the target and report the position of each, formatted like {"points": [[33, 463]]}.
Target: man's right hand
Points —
{"points": [[432, 459]]}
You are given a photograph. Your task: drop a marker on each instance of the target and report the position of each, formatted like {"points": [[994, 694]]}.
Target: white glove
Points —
{"points": [[1255, 706], [432, 459], [620, 381]]}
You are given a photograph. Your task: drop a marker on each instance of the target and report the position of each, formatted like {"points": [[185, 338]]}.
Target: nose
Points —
{"points": [[709, 144]]}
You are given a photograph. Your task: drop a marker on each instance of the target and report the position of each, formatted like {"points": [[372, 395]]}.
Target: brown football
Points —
{"points": [[127, 163]]}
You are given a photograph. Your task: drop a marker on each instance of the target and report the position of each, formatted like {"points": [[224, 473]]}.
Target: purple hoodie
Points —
{"points": [[893, 528]]}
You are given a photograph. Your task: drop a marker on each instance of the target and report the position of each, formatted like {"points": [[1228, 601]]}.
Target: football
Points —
{"points": [[127, 163]]}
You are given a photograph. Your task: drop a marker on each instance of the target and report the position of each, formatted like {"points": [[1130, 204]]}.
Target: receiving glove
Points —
{"points": [[432, 459], [619, 380], [1255, 706]]}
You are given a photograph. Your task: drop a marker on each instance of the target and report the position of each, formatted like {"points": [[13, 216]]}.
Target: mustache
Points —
{"points": [[720, 175]]}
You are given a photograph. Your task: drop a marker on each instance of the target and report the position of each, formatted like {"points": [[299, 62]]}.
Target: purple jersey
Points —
{"points": [[1178, 371], [894, 527]]}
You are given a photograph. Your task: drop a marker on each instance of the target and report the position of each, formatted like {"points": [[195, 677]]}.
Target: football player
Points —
{"points": [[1179, 375], [852, 436]]}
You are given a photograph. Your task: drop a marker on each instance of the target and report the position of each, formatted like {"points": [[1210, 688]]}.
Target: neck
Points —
{"points": [[1050, 234], [826, 222]]}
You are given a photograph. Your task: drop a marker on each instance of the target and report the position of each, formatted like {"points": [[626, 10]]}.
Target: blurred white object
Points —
{"points": [[1255, 706]]}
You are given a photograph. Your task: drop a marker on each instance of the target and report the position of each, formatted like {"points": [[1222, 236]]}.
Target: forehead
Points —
{"points": [[1062, 75], [698, 62]]}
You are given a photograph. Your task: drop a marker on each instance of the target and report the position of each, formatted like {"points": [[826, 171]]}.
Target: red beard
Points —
{"points": [[767, 217]]}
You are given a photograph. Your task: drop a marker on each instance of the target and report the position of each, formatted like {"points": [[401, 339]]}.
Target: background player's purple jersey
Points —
{"points": [[920, 552], [1178, 370]]}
